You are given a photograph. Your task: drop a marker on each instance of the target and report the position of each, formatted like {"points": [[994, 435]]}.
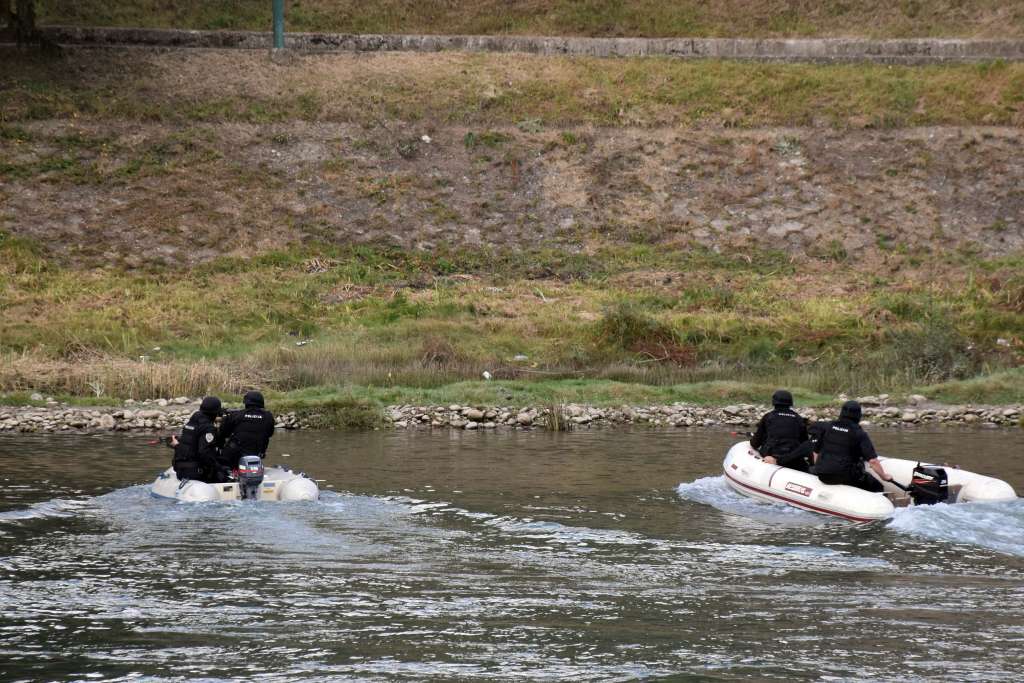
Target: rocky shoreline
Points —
{"points": [[169, 414]]}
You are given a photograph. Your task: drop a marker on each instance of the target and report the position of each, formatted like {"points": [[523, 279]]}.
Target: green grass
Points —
{"points": [[22, 399], [489, 91], [411, 326], [999, 387], [343, 411], [753, 18], [516, 393]]}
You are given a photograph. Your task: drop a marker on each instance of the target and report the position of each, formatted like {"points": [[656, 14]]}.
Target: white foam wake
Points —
{"points": [[995, 526], [715, 492], [57, 507]]}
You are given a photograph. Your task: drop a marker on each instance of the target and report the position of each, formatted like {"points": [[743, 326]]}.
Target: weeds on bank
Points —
{"points": [[555, 418], [998, 387], [105, 378], [345, 412], [552, 394], [426, 320], [458, 89]]}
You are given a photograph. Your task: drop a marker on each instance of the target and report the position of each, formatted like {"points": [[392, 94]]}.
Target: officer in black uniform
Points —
{"points": [[780, 434], [196, 451], [245, 432], [844, 448]]}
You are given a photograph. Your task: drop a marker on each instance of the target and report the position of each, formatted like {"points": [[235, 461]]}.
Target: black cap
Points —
{"points": [[253, 399], [851, 411], [210, 405], [782, 398]]}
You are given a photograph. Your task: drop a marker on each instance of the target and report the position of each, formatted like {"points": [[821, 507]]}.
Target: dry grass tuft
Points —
{"points": [[101, 376]]}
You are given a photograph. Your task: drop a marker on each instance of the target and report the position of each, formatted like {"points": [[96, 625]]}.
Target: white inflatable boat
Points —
{"points": [[253, 483], [748, 474]]}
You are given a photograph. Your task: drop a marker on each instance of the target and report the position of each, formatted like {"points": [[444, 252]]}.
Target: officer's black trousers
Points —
{"points": [[861, 480]]}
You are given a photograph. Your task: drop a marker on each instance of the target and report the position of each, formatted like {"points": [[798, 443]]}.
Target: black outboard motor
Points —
{"points": [[250, 476], [929, 485]]}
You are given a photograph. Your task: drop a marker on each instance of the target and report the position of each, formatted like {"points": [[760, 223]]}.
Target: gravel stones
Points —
{"points": [[682, 415], [152, 416]]}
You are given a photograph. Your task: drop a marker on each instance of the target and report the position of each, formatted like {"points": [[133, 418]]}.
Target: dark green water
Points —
{"points": [[593, 555]]}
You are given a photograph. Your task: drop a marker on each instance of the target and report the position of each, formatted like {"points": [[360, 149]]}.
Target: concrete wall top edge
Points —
{"points": [[920, 51]]}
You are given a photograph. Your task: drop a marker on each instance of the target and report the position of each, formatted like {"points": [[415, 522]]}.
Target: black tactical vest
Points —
{"points": [[187, 463], [838, 448], [251, 435], [783, 432]]}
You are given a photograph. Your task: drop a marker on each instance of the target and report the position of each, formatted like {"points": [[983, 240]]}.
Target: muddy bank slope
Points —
{"points": [[141, 156], [105, 192]]}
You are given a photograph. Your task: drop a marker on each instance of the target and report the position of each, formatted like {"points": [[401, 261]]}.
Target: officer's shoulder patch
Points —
{"points": [[209, 437]]}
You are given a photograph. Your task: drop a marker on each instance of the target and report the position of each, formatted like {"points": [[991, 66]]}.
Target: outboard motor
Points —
{"points": [[250, 476], [929, 485]]}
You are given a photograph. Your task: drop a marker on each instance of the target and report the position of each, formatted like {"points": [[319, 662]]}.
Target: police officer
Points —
{"points": [[195, 451], [844, 448], [780, 434], [245, 432]]}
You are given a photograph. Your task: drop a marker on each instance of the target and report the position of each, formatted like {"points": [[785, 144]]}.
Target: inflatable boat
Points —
{"points": [[914, 483], [252, 482]]}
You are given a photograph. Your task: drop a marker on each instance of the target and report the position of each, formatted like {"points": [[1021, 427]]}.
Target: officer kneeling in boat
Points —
{"points": [[244, 432], [196, 452], [844, 448], [781, 434]]}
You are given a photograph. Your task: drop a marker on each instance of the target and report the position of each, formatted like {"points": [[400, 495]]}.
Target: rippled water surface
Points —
{"points": [[592, 555]]}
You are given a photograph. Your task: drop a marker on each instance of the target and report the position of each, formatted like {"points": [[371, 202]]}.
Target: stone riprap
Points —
{"points": [[894, 51], [169, 414], [152, 416]]}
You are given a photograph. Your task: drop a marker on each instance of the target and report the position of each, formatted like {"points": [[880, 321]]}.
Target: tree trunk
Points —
{"points": [[24, 21]]}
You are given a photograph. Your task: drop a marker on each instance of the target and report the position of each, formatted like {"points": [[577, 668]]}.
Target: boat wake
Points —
{"points": [[55, 508], [574, 538], [715, 492], [993, 526], [583, 550]]}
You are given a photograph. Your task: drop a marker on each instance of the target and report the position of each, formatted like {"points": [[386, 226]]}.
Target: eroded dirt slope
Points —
{"points": [[136, 192]]}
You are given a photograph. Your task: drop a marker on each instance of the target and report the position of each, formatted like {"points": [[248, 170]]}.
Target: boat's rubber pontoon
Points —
{"points": [[748, 474], [254, 482]]}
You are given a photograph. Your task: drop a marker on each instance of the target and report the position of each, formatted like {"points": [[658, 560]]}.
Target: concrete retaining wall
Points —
{"points": [[924, 51]]}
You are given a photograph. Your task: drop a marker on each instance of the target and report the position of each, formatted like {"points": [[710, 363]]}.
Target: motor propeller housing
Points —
{"points": [[250, 476], [929, 485]]}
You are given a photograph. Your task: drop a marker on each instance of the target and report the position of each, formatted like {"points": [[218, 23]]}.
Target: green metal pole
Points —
{"points": [[278, 24]]}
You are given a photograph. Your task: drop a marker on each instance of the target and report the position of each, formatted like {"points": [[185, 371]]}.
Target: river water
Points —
{"points": [[591, 555]]}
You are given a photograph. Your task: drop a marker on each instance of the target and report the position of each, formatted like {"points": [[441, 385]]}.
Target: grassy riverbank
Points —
{"points": [[744, 18], [398, 325], [387, 228]]}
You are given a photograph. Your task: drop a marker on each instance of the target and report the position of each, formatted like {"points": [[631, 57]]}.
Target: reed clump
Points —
{"points": [[118, 378], [625, 327], [555, 418]]}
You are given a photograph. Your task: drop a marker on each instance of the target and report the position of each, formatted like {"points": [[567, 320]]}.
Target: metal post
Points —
{"points": [[278, 24]]}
